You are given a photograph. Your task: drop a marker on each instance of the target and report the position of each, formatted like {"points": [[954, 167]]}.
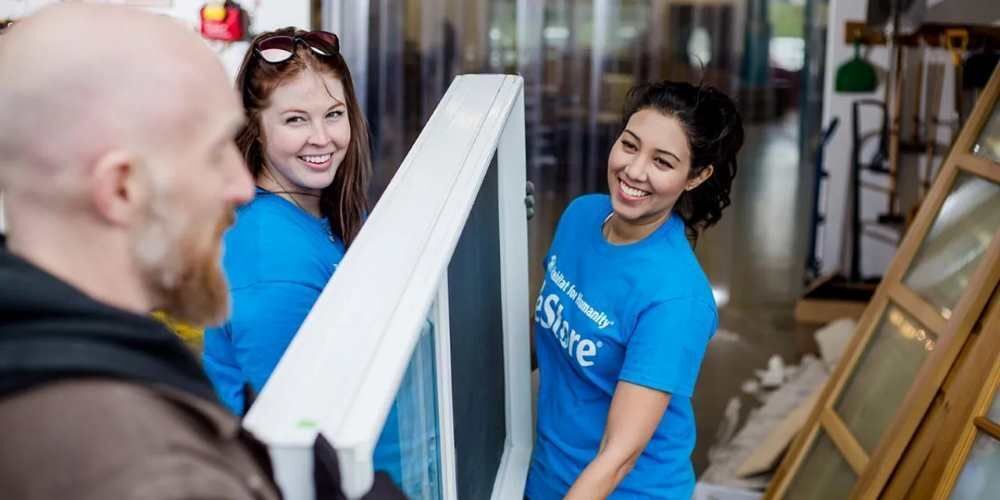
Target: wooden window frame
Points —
{"points": [[874, 470]]}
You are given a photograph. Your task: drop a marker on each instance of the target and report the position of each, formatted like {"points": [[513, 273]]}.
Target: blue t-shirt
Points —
{"points": [[641, 313], [278, 258]]}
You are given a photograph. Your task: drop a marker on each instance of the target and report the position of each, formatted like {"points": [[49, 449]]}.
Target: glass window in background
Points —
{"points": [[979, 475], [824, 474], [988, 143], [962, 231], [979, 472], [883, 375]]}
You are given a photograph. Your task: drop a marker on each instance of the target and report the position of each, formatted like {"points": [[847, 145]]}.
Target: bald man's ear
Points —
{"points": [[119, 190]]}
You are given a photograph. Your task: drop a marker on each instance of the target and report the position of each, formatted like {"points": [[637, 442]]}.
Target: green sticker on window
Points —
{"points": [[307, 424]]}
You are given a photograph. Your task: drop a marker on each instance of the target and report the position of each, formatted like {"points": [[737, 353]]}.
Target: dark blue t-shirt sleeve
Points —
{"points": [[265, 318], [668, 344]]}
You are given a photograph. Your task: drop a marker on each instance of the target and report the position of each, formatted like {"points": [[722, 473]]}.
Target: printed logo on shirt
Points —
{"points": [[549, 314]]}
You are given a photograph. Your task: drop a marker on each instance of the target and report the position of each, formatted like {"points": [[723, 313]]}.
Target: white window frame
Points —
{"points": [[341, 372]]}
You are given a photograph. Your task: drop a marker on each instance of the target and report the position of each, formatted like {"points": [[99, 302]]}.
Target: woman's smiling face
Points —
{"points": [[306, 131], [648, 168]]}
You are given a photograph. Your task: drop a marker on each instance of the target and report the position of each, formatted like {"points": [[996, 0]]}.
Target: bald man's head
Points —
{"points": [[82, 79], [117, 134]]}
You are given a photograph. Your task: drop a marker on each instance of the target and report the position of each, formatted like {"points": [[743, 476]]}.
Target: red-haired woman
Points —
{"points": [[306, 144]]}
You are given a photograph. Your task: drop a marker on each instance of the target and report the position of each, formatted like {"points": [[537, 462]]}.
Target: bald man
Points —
{"points": [[119, 175]]}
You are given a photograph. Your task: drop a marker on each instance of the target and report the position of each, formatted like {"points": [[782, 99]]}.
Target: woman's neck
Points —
{"points": [[621, 232], [306, 200]]}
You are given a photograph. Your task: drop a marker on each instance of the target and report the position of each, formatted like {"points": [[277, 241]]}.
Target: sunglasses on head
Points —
{"points": [[280, 48]]}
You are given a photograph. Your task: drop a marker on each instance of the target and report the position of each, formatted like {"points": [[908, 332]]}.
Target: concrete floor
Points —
{"points": [[755, 255]]}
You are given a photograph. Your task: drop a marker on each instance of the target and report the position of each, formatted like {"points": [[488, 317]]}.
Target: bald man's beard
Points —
{"points": [[181, 269]]}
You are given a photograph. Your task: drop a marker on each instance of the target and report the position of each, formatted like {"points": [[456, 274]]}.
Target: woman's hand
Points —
{"points": [[635, 413]]}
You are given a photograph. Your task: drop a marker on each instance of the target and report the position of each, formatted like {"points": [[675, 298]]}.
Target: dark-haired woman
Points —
{"points": [[625, 312], [306, 144]]}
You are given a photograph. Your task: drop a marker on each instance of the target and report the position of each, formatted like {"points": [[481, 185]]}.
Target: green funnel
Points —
{"points": [[856, 75]]}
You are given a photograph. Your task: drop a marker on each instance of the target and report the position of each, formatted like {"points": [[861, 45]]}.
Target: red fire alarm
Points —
{"points": [[222, 21]]}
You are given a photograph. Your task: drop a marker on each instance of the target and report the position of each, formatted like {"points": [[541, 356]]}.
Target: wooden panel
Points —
{"points": [[972, 397], [965, 314], [845, 442], [918, 308], [951, 386], [917, 474], [804, 440], [915, 406], [936, 367], [979, 166], [932, 374], [924, 460], [914, 464]]}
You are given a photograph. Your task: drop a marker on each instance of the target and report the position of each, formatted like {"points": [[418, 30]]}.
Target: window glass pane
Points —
{"points": [[824, 474], [882, 376], [979, 474], [477, 367], [988, 143], [950, 253], [418, 423]]}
